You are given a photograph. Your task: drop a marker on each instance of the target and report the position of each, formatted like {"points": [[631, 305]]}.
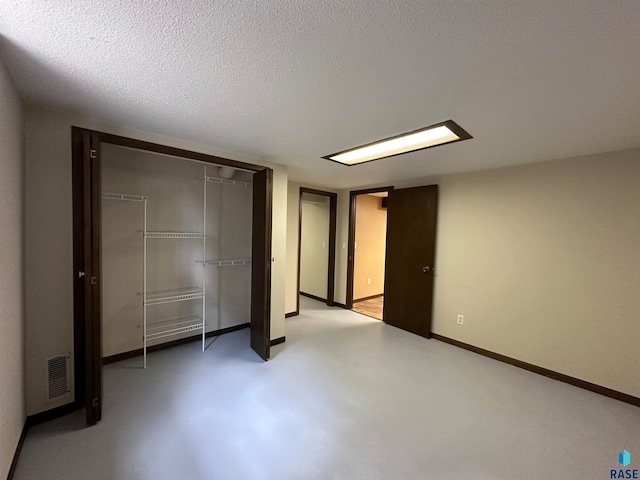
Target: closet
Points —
{"points": [[176, 250]]}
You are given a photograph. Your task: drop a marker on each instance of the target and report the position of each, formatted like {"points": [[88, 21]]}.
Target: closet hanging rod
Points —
{"points": [[123, 196], [225, 181]]}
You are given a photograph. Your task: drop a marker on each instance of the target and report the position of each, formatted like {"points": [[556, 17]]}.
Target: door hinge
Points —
{"points": [[96, 402], [92, 153], [94, 280]]}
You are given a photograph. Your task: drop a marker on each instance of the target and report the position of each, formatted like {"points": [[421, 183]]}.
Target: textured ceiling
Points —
{"points": [[290, 81]]}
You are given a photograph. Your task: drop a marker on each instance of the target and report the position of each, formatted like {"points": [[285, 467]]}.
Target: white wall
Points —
{"points": [[175, 203], [314, 248], [49, 247], [12, 314], [543, 261]]}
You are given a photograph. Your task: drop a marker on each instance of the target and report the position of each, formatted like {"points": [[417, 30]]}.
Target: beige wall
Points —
{"points": [[371, 240], [49, 276], [543, 261], [12, 316]]}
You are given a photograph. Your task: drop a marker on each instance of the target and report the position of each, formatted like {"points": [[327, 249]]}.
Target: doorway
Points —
{"points": [[87, 196], [367, 251], [316, 245]]}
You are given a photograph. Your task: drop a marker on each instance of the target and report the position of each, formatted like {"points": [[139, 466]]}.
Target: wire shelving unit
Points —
{"points": [[171, 296], [194, 323], [153, 331]]}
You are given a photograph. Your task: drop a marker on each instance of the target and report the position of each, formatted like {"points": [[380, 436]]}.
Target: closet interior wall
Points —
{"points": [[174, 188]]}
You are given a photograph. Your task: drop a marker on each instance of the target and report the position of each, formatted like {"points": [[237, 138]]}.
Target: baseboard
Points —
{"points": [[47, 415], [278, 341], [341, 305], [370, 297], [291, 314], [576, 382], [155, 348], [308, 295], [16, 455]]}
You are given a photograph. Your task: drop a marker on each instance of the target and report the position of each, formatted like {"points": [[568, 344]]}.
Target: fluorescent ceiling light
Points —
{"points": [[434, 135]]}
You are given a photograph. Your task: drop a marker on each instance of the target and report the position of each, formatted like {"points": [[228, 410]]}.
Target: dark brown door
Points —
{"points": [[92, 288], [261, 264], [411, 239]]}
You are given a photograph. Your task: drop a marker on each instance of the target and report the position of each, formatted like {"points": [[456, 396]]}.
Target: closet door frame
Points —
{"points": [[87, 319]]}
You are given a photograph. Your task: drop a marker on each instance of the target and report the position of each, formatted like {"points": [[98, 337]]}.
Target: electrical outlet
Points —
{"points": [[368, 281], [460, 319]]}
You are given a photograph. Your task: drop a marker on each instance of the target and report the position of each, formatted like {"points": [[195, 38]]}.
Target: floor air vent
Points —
{"points": [[58, 376]]}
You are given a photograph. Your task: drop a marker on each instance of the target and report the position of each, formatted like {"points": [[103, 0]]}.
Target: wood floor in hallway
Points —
{"points": [[371, 307]]}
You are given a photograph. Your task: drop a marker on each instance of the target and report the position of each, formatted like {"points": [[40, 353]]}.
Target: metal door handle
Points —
{"points": [[426, 269]]}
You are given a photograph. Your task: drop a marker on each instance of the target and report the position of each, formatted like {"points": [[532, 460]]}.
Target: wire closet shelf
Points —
{"points": [[171, 296], [123, 196], [173, 327], [227, 262], [150, 234], [224, 181]]}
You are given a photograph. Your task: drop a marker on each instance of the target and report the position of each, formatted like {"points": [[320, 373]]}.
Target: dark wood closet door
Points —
{"points": [[92, 276], [411, 239], [261, 264]]}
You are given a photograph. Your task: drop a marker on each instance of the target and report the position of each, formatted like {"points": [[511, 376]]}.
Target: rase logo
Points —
{"points": [[624, 459]]}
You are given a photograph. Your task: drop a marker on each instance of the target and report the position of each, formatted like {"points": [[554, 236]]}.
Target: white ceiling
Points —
{"points": [[290, 81]]}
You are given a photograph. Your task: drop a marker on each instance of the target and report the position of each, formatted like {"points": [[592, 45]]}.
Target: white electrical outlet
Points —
{"points": [[460, 319], [368, 281]]}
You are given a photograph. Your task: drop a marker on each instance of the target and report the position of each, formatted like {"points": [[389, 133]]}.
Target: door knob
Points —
{"points": [[426, 269]]}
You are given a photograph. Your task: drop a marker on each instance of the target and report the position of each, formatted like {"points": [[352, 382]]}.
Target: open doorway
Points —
{"points": [[316, 245], [367, 251]]}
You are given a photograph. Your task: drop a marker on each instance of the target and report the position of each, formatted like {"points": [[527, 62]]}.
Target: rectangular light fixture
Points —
{"points": [[432, 136]]}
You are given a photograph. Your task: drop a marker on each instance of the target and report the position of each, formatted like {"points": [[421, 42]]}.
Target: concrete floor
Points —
{"points": [[346, 397]]}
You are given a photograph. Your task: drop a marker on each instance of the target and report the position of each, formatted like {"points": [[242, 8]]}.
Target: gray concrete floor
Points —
{"points": [[346, 397]]}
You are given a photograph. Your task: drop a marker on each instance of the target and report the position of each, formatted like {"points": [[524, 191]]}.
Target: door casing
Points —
{"points": [[352, 238], [331, 264]]}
